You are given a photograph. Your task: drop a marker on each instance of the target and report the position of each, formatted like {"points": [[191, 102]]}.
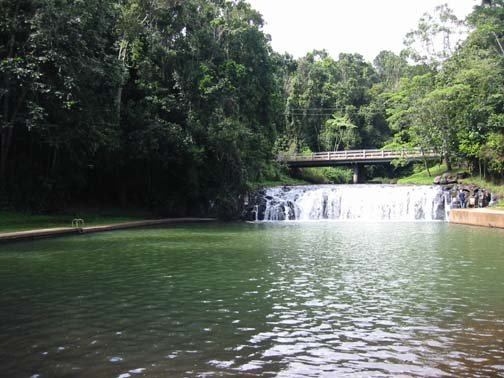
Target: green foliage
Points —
{"points": [[493, 152], [182, 105], [495, 187], [322, 88], [339, 131], [326, 175], [457, 108], [421, 177], [337, 175], [436, 38], [390, 68], [168, 104], [274, 175]]}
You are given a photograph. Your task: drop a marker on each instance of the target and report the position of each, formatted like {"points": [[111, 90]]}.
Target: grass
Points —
{"points": [[276, 178], [19, 221], [327, 175], [275, 175], [313, 176], [496, 189], [488, 185], [423, 178], [284, 181]]}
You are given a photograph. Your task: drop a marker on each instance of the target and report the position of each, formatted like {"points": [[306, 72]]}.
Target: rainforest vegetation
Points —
{"points": [[182, 106]]}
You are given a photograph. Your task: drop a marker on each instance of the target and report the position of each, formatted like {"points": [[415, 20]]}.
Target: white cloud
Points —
{"points": [[365, 26]]}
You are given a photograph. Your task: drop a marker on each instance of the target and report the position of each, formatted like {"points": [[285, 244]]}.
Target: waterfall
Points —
{"points": [[351, 202]]}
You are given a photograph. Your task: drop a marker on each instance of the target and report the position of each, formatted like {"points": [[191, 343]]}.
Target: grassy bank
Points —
{"points": [[277, 175], [281, 181], [326, 175], [19, 221], [423, 178]]}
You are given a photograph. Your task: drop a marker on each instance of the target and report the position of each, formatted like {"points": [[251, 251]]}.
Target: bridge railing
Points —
{"points": [[415, 153]]}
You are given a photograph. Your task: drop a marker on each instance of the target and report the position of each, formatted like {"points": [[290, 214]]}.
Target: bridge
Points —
{"points": [[356, 158]]}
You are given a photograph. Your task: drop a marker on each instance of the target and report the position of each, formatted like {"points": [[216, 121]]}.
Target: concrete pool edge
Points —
{"points": [[9, 237], [483, 217]]}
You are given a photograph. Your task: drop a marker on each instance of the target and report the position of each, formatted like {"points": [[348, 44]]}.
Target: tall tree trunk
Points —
{"points": [[7, 129], [121, 57], [446, 143], [426, 165], [448, 161], [54, 161], [119, 103], [6, 136]]}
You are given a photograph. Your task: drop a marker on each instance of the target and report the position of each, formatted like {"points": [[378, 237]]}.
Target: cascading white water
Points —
{"points": [[354, 202]]}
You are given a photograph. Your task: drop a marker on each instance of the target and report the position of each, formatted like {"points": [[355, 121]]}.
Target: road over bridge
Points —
{"points": [[356, 158]]}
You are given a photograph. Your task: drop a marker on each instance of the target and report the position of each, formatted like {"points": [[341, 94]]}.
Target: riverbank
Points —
{"points": [[7, 237], [484, 217], [13, 221], [424, 178]]}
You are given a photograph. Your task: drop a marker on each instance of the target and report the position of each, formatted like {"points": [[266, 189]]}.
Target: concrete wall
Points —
{"points": [[478, 217]]}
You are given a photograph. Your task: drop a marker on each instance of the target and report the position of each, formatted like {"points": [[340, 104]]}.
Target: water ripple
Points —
{"points": [[297, 300]]}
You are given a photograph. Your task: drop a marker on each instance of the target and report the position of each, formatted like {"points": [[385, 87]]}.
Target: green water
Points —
{"points": [[288, 300]]}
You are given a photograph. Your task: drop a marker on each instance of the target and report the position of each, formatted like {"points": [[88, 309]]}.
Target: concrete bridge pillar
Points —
{"points": [[356, 173]]}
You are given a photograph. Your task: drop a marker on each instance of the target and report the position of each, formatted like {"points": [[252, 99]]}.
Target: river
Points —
{"points": [[287, 299]]}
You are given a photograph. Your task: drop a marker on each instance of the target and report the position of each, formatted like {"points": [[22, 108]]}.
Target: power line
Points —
{"points": [[309, 114], [302, 109]]}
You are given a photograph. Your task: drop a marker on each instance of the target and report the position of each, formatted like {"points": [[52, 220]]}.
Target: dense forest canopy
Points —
{"points": [[182, 105]]}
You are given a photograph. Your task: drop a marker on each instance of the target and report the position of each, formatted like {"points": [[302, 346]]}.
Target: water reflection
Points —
{"points": [[296, 300]]}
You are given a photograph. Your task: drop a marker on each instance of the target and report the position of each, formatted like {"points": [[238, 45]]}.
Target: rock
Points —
{"points": [[292, 213], [256, 206], [446, 178], [450, 178], [449, 187]]}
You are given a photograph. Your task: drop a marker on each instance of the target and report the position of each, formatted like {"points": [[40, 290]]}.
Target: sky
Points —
{"points": [[355, 26]]}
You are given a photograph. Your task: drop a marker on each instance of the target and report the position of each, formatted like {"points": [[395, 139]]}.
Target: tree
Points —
{"points": [[322, 86], [436, 38], [436, 118], [19, 73], [390, 68], [56, 74], [339, 130], [457, 107], [488, 20], [493, 153]]}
